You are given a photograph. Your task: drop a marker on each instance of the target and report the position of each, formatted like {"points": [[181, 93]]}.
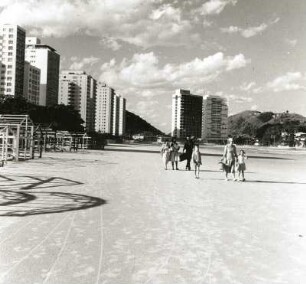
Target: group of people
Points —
{"points": [[191, 151], [231, 161]]}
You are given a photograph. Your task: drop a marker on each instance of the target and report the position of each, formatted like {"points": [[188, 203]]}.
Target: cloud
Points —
{"points": [[247, 86], [254, 107], [145, 108], [141, 23], [235, 98], [80, 64], [215, 7], [237, 62], [143, 71], [291, 42], [291, 81], [253, 31], [249, 32], [111, 43], [207, 24], [258, 90], [144, 80]]}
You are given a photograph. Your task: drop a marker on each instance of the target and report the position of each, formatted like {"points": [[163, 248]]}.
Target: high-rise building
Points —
{"points": [[122, 116], [78, 89], [215, 116], [104, 108], [1, 67], [91, 105], [31, 83], [12, 46], [186, 114], [110, 111], [48, 61], [115, 115]]}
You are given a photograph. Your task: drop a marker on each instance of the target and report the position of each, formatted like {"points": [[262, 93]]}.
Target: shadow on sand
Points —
{"points": [[8, 197], [15, 202], [20, 204]]}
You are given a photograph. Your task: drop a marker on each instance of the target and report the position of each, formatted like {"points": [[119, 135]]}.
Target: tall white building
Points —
{"points": [[78, 89], [1, 72], [110, 111], [104, 108], [31, 83], [215, 119], [47, 60], [122, 116], [186, 114], [12, 48], [115, 115]]}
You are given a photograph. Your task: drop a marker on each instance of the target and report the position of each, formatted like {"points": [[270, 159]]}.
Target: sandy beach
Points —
{"points": [[117, 217]]}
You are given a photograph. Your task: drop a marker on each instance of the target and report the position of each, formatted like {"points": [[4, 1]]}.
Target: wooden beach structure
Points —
{"points": [[16, 137]]}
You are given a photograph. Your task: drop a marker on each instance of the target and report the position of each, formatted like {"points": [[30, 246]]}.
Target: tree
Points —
{"points": [[60, 117]]}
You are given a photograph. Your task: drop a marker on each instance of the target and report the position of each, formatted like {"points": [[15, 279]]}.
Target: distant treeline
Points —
{"points": [[58, 117]]}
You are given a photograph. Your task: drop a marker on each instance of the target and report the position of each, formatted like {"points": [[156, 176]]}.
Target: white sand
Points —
{"points": [[157, 226]]}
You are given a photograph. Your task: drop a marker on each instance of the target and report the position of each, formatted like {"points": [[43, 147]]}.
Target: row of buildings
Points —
{"points": [[204, 117], [31, 70], [102, 109]]}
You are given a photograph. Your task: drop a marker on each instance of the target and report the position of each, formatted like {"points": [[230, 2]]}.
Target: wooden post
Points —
{"points": [[32, 143], [17, 143]]}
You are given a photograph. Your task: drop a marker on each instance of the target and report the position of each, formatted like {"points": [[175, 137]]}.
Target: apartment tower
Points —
{"points": [[104, 108], [78, 89], [110, 111], [12, 48], [122, 116], [215, 119], [31, 85], [47, 60], [186, 114]]}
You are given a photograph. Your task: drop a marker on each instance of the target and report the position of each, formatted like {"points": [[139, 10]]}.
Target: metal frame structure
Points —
{"points": [[17, 137], [20, 139], [63, 140], [4, 133]]}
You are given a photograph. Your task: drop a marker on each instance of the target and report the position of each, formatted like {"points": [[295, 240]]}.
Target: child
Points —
{"points": [[241, 165], [196, 158], [174, 154]]}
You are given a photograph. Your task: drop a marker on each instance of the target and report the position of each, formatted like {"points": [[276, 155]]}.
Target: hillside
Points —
{"points": [[136, 125], [265, 125]]}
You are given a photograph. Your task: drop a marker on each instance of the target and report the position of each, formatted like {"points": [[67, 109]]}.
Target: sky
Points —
{"points": [[251, 52]]}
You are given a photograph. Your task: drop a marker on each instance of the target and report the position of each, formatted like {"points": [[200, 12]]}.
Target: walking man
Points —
{"points": [[188, 148]]}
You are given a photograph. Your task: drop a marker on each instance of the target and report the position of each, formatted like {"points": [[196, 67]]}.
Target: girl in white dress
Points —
{"points": [[174, 154], [196, 158], [241, 167]]}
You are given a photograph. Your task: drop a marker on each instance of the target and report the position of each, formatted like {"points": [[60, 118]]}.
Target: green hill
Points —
{"points": [[265, 126], [137, 125]]}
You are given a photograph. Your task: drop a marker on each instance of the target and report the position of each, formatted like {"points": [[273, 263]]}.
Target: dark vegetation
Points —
{"points": [[137, 125], [61, 117], [267, 127], [57, 117]]}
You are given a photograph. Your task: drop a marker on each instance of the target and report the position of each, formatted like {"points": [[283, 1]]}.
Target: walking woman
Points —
{"points": [[174, 154], [229, 158], [165, 152]]}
